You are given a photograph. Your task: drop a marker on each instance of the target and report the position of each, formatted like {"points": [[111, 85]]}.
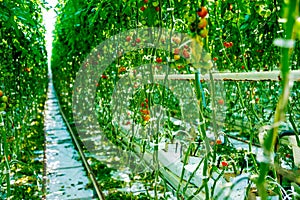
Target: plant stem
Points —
{"points": [[282, 102], [5, 149]]}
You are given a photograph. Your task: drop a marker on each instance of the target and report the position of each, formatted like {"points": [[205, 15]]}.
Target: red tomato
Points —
{"points": [[138, 40], [176, 51], [186, 54], [128, 38], [104, 76], [203, 12], [158, 60], [224, 164], [221, 101], [143, 8]]}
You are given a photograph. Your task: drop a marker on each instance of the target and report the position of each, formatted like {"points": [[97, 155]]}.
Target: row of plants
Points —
{"points": [[225, 36], [23, 85]]}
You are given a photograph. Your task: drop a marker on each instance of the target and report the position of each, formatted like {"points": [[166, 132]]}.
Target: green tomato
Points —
{"points": [[191, 18], [228, 15], [155, 3], [3, 105], [4, 99], [268, 13]]}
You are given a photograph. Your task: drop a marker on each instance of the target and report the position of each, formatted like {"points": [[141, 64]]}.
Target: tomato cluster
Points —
{"points": [[154, 4], [185, 52], [121, 69], [3, 100], [145, 111], [228, 44], [199, 24]]}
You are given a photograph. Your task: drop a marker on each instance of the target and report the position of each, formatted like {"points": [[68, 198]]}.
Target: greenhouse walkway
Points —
{"points": [[64, 172]]}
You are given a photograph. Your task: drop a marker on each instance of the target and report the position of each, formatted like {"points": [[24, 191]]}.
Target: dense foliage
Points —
{"points": [[23, 84], [239, 36]]}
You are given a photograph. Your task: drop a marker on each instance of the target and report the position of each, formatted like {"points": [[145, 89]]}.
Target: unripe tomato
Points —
{"points": [[3, 106], [204, 33], [4, 99]]}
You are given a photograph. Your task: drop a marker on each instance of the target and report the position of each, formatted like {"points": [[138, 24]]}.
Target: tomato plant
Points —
{"points": [[238, 35], [23, 85]]}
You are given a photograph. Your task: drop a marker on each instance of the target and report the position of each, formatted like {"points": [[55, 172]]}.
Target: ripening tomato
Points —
{"points": [[177, 40], [218, 141], [204, 33], [202, 23], [145, 111], [176, 57], [122, 69], [146, 117], [1, 93], [158, 60]]}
